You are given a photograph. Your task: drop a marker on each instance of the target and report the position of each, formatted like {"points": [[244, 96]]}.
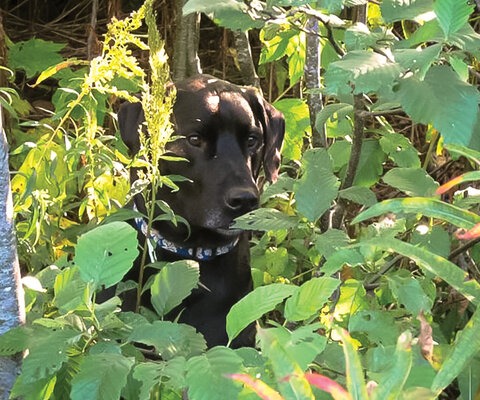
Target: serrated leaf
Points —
{"points": [[254, 305], [412, 181], [173, 283], [40, 389], [400, 150], [47, 353], [15, 340], [309, 298], [432, 208], [34, 55], [105, 254], [359, 37], [452, 15], [359, 194], [442, 100], [361, 71], [169, 339], [397, 10], [379, 326], [266, 219], [329, 242], [461, 353], [101, 376], [206, 375], [70, 290], [409, 293], [370, 166], [318, 186]]}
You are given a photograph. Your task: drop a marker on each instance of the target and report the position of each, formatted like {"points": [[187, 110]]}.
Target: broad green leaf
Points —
{"points": [[378, 326], [436, 240], [408, 292], [297, 121], [358, 194], [452, 15], [361, 71], [370, 166], [330, 241], [206, 375], [442, 100], [169, 339], [469, 379], [418, 60], [15, 340], [400, 150], [296, 58], [70, 290], [463, 350], [105, 254], [397, 10], [341, 258], [290, 377], [458, 149], [356, 385], [101, 376], [352, 299], [310, 298], [391, 384], [34, 55], [428, 207], [172, 284], [318, 186], [460, 67], [330, 110], [411, 181], [47, 353], [40, 389], [266, 219], [254, 305], [436, 265], [359, 37]]}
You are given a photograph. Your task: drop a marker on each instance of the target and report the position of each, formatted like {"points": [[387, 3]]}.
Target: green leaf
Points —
{"points": [[105, 254], [330, 241], [15, 340], [34, 55], [463, 351], [359, 37], [169, 339], [418, 60], [411, 181], [400, 150], [318, 186], [263, 299], [408, 292], [361, 71], [40, 389], [266, 219], [433, 264], [370, 166], [297, 121], [330, 110], [397, 10], [378, 326], [341, 258], [442, 100], [47, 353], [310, 298], [206, 375], [391, 384], [356, 385], [290, 377], [71, 292], [358, 194], [173, 283], [429, 207], [452, 15], [101, 376]]}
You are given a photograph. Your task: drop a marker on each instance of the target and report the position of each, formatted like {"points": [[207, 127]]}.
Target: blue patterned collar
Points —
{"points": [[156, 240]]}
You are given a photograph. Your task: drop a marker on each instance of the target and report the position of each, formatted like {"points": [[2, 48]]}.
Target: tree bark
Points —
{"points": [[186, 62], [312, 81], [12, 309], [245, 60]]}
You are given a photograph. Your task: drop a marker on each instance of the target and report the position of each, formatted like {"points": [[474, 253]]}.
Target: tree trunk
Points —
{"points": [[186, 62], [245, 60], [12, 310]]}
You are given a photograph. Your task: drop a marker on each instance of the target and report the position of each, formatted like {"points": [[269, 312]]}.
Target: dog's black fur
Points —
{"points": [[226, 132]]}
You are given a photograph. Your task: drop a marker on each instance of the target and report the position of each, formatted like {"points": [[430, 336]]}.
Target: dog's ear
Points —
{"points": [[274, 131], [130, 116]]}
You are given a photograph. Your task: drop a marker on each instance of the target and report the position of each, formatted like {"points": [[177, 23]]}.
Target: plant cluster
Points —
{"points": [[328, 259]]}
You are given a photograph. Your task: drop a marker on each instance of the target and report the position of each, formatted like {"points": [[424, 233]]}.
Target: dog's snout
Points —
{"points": [[242, 200]]}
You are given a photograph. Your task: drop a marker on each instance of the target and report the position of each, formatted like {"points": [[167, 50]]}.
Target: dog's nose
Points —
{"points": [[242, 200]]}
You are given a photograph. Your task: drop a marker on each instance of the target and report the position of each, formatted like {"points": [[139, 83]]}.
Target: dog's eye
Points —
{"points": [[252, 141], [194, 140]]}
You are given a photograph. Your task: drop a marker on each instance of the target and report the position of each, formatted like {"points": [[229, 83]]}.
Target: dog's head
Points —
{"points": [[226, 132]]}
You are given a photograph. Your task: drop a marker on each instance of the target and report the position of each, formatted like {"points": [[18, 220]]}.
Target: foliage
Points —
{"points": [[393, 275]]}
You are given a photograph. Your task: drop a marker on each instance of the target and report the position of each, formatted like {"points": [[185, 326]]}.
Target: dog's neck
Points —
{"points": [[156, 241]]}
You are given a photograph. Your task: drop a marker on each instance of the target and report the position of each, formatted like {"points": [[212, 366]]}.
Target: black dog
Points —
{"points": [[226, 133]]}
